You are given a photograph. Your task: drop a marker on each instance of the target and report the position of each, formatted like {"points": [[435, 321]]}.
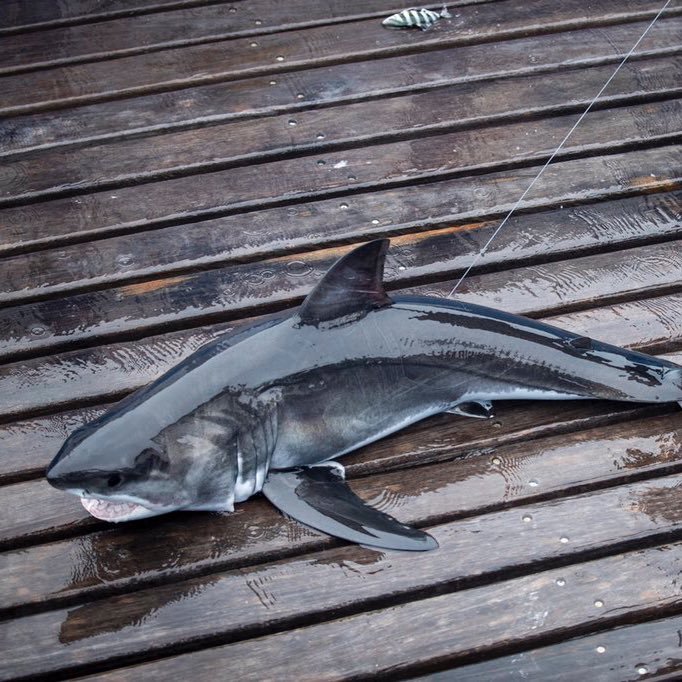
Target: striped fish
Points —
{"points": [[415, 18]]}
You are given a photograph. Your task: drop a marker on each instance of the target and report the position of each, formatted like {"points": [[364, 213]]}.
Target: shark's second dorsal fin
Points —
{"points": [[352, 285]]}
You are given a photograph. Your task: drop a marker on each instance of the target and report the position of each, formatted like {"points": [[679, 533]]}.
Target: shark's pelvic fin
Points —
{"points": [[318, 497], [480, 409], [352, 285]]}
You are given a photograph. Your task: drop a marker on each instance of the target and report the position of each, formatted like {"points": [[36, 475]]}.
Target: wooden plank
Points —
{"points": [[497, 477], [240, 290], [19, 15], [569, 231], [172, 250], [321, 131], [649, 651], [147, 32], [405, 638], [396, 165], [246, 98], [322, 586], [297, 49], [99, 374], [641, 272], [28, 446]]}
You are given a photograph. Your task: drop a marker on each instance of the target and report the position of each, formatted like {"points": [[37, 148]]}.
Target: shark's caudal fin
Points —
{"points": [[318, 497], [353, 285]]}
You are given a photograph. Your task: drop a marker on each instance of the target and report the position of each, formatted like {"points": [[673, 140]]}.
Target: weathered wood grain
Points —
{"points": [[163, 29], [324, 86], [176, 546], [641, 272], [649, 651], [176, 249], [447, 627], [99, 374], [396, 164], [298, 49], [240, 290], [19, 15], [29, 445], [557, 522], [319, 131], [321, 586]]}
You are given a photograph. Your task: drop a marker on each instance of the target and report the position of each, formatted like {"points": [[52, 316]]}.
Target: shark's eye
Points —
{"points": [[114, 480]]}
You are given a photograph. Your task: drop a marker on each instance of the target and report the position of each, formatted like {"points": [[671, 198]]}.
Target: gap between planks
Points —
{"points": [[57, 221], [180, 303], [105, 72], [93, 37], [45, 176], [144, 7], [405, 639], [649, 648], [409, 586], [200, 106]]}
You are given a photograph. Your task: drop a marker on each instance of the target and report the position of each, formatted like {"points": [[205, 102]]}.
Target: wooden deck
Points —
{"points": [[172, 169]]}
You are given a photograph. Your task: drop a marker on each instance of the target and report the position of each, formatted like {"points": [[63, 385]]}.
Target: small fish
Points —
{"points": [[415, 18]]}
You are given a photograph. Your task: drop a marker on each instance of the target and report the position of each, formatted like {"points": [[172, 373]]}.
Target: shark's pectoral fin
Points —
{"points": [[480, 409], [318, 497]]}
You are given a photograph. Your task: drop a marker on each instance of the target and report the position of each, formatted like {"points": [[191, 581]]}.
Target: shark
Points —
{"points": [[271, 409]]}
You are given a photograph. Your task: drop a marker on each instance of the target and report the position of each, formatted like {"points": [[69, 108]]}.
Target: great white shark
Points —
{"points": [[270, 409]]}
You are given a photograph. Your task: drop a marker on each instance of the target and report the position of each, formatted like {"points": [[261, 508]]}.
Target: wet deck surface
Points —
{"points": [[174, 169]]}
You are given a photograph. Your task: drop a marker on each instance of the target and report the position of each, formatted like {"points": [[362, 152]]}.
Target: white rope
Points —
{"points": [[558, 149]]}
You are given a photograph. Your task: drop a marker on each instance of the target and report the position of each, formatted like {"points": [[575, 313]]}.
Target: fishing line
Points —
{"points": [[557, 150]]}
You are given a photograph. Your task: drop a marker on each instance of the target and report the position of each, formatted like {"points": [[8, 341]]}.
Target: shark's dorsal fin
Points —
{"points": [[352, 285]]}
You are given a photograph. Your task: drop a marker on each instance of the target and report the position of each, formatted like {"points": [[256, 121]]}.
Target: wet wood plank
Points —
{"points": [[19, 15], [162, 29], [649, 651], [392, 638], [248, 98], [313, 176], [318, 131], [273, 284], [232, 59], [492, 476], [170, 251], [558, 523], [422, 632]]}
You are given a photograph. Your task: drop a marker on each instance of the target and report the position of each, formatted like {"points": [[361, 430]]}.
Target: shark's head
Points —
{"points": [[118, 479], [131, 464]]}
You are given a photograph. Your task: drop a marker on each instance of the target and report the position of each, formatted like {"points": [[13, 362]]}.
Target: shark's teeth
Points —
{"points": [[111, 511]]}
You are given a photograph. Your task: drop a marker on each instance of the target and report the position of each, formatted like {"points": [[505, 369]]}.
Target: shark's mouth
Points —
{"points": [[105, 510]]}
